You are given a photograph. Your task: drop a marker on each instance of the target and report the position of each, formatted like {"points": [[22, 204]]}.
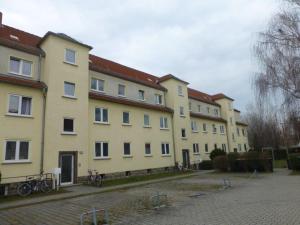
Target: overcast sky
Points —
{"points": [[205, 42]]}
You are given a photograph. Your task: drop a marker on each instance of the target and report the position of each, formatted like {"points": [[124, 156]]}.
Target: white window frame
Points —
{"points": [[157, 98], [121, 95], [101, 150], [180, 90], [196, 148], [216, 112], [101, 115], [20, 72], [123, 118], [164, 147], [19, 106], [206, 148], [204, 127], [130, 154], [68, 132], [214, 129], [183, 131], [181, 111], [66, 95], [165, 123], [194, 126], [97, 85], [17, 154], [199, 108], [142, 96], [148, 154], [240, 147], [147, 125], [222, 129], [71, 50]]}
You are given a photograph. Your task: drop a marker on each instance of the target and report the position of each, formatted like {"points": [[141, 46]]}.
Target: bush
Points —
{"points": [[221, 163], [216, 152], [206, 165], [259, 161], [232, 161], [294, 161]]}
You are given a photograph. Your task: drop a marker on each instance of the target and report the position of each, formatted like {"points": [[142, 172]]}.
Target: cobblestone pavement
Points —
{"points": [[269, 199]]}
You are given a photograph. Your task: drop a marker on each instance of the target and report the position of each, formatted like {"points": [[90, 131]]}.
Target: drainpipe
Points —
{"points": [[173, 138]]}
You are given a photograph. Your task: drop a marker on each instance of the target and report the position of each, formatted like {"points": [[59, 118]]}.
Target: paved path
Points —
{"points": [[270, 199]]}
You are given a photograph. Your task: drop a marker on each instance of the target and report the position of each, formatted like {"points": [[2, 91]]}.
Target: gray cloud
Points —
{"points": [[207, 43]]}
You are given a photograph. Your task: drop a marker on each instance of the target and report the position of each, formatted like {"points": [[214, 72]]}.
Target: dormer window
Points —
{"points": [[158, 99], [141, 95], [121, 90], [20, 67], [70, 56]]}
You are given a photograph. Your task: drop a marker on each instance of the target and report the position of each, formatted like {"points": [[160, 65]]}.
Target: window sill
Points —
{"points": [[102, 123], [166, 155], [147, 127], [127, 156], [102, 92], [182, 116], [184, 138], [69, 133], [142, 100], [148, 155], [16, 162], [205, 132], [158, 104], [122, 96], [19, 115], [214, 132], [195, 131], [102, 158], [196, 153], [70, 63], [164, 129], [207, 153], [126, 124], [20, 75], [69, 97]]}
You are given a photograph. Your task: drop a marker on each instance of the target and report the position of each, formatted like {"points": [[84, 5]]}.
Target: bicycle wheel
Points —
{"points": [[24, 189], [45, 187], [98, 181]]}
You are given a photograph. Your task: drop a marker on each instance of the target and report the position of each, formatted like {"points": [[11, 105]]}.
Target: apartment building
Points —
{"points": [[62, 107]]}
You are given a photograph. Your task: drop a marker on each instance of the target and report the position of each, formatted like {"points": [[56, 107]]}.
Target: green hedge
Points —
{"points": [[221, 163], [206, 165], [294, 161]]}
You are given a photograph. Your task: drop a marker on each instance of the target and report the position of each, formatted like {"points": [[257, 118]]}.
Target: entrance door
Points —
{"points": [[67, 168], [186, 158]]}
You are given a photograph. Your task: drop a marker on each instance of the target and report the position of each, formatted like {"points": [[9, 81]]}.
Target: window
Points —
{"points": [[158, 99], [69, 89], [224, 147], [141, 95], [194, 126], [17, 151], [243, 132], [101, 115], [238, 131], [199, 108], [101, 149], [204, 127], [181, 111], [121, 90], [216, 112], [19, 105], [69, 125], [229, 105], [206, 147], [183, 133], [165, 150], [20, 67], [147, 149], [222, 129], [180, 92], [196, 148], [231, 121], [214, 129], [163, 122], [127, 148], [240, 147], [216, 146], [233, 138], [245, 147], [208, 109], [146, 120], [97, 85], [126, 118], [190, 106], [70, 56]]}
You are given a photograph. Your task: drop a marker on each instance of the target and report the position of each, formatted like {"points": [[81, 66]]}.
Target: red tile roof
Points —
{"points": [[22, 81], [220, 96], [170, 76], [200, 96]]}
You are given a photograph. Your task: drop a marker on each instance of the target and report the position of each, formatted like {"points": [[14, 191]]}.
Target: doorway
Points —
{"points": [[67, 162], [185, 158]]}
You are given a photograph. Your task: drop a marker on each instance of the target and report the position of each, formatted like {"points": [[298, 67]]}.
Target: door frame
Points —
{"points": [[74, 166], [187, 152]]}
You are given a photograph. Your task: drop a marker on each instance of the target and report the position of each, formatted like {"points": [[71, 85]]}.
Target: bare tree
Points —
{"points": [[278, 52]]}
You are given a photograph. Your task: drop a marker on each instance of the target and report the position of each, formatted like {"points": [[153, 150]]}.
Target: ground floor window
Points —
{"points": [[165, 149], [127, 148], [101, 149], [147, 149], [196, 148], [16, 150]]}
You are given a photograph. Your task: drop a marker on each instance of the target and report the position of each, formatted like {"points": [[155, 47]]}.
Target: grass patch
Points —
{"points": [[295, 173], [280, 163], [133, 179], [33, 195]]}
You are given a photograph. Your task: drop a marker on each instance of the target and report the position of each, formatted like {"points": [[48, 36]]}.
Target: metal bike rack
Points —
{"points": [[156, 200], [226, 183], [94, 217]]}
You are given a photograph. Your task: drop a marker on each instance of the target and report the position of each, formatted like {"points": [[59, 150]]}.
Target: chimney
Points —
{"points": [[0, 19]]}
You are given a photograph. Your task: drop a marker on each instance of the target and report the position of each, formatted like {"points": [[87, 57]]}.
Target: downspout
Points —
{"points": [[44, 91]]}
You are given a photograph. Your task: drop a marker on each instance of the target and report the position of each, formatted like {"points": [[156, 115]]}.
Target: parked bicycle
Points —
{"points": [[95, 179], [34, 185]]}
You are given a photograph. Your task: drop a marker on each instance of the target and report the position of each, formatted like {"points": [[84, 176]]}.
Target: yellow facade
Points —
{"points": [[52, 110]]}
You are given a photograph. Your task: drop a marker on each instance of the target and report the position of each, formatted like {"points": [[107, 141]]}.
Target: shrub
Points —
{"points": [[294, 161], [221, 163], [216, 152], [206, 165], [254, 160], [232, 161]]}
